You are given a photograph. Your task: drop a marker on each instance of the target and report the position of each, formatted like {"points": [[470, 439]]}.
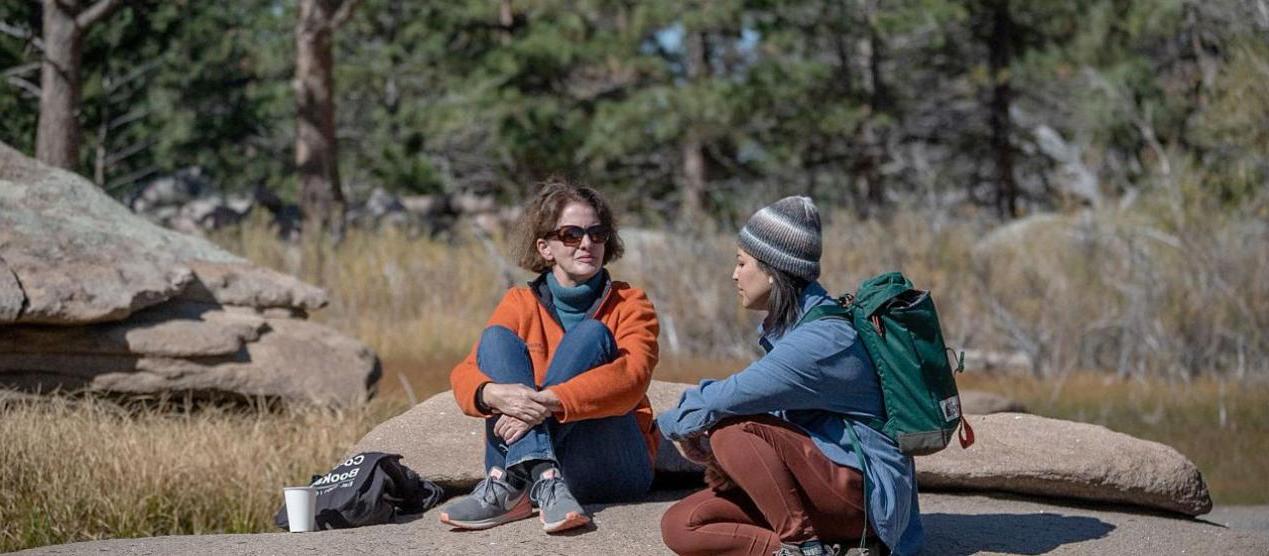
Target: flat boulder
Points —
{"points": [[78, 255], [954, 524], [245, 284], [11, 296], [447, 447], [152, 332], [1032, 455], [1014, 452], [93, 297], [664, 396], [436, 440], [291, 360]]}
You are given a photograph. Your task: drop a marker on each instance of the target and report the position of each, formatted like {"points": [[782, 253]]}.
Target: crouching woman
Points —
{"points": [[560, 375], [776, 436]]}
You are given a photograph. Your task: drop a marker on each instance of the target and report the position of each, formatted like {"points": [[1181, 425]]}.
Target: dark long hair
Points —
{"points": [[784, 307]]}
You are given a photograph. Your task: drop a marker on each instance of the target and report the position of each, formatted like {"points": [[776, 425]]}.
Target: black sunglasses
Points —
{"points": [[572, 235]]}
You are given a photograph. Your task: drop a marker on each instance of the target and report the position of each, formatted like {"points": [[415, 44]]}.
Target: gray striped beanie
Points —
{"points": [[786, 236]]}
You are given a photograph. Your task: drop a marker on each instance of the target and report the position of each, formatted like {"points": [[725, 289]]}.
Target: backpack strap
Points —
{"points": [[836, 311], [863, 464], [818, 312]]}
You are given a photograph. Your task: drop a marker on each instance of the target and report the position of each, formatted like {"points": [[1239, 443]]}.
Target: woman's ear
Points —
{"points": [[544, 250]]}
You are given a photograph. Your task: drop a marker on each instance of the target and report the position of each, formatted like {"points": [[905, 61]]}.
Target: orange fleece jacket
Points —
{"points": [[608, 390]]}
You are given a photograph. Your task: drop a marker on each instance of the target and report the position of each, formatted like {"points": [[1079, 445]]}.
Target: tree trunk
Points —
{"points": [[57, 136], [872, 141], [692, 188], [1000, 57], [316, 162]]}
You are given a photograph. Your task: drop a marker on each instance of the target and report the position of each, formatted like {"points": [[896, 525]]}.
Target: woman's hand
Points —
{"points": [[515, 400], [549, 400], [695, 449], [510, 429], [717, 479]]}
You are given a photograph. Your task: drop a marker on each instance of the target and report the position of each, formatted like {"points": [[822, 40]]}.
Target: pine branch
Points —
{"points": [[19, 70], [20, 33], [344, 13], [23, 84], [96, 13], [119, 156]]}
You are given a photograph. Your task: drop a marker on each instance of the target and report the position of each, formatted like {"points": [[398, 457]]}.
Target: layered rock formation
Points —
{"points": [[93, 297]]}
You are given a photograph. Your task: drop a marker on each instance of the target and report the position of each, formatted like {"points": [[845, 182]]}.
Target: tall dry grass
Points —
{"points": [[87, 469], [1143, 291]]}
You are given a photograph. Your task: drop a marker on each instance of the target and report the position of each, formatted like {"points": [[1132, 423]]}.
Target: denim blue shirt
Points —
{"points": [[818, 377]]}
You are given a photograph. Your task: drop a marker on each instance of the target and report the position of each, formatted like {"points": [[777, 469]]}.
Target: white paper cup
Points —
{"points": [[301, 508]]}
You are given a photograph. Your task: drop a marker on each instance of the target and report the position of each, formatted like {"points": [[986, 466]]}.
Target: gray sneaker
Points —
{"points": [[558, 509], [808, 548], [492, 503]]}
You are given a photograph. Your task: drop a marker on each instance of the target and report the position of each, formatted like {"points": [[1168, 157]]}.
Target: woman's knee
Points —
{"points": [[497, 343], [498, 336], [732, 440], [502, 355], [591, 332], [676, 526]]}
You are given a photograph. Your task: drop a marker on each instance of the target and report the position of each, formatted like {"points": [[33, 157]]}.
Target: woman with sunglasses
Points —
{"points": [[776, 437], [560, 375]]}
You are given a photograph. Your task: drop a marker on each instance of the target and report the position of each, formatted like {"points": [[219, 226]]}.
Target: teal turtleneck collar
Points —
{"points": [[572, 303]]}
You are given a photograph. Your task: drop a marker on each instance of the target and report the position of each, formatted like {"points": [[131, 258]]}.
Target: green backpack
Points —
{"points": [[900, 331]]}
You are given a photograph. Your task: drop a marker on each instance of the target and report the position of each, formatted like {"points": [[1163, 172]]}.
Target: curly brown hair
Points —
{"points": [[542, 213]]}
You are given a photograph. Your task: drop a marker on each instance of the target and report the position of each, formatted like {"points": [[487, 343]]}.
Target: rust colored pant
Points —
{"points": [[785, 490]]}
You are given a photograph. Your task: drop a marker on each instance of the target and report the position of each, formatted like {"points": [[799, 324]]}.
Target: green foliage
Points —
{"points": [[19, 74], [864, 103]]}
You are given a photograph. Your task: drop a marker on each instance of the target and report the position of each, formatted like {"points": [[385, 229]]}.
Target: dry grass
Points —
{"points": [[88, 469], [1134, 292]]}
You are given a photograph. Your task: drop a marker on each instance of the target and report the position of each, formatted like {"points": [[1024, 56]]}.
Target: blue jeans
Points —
{"points": [[602, 460]]}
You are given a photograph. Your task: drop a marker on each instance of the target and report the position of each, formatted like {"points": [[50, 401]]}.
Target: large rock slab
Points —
{"points": [[442, 444], [153, 332], [1034, 455], [12, 298], [1014, 453], [292, 360], [664, 396], [94, 297], [78, 256], [251, 286], [955, 525]]}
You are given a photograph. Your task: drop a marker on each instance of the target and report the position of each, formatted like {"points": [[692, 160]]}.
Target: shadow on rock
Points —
{"points": [[954, 534]]}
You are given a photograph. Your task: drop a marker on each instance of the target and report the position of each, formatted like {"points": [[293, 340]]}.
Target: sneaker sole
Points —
{"points": [[523, 509], [571, 521]]}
